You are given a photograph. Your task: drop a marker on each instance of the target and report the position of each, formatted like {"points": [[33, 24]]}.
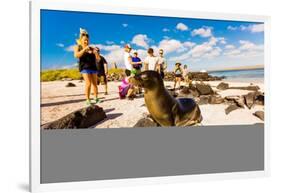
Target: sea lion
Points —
{"points": [[164, 108]]}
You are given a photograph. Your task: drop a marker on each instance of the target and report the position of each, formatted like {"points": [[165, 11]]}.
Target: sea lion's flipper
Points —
{"points": [[189, 112]]}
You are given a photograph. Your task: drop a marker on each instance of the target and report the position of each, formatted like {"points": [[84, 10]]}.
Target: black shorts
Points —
{"points": [[102, 79], [178, 75]]}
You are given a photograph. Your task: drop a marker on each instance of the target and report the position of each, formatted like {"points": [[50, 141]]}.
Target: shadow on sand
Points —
{"points": [[66, 102]]}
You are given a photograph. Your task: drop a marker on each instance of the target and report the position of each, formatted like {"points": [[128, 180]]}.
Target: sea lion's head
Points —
{"points": [[148, 79]]}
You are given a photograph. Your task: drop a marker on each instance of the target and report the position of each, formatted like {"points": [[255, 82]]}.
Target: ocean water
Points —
{"points": [[255, 75]]}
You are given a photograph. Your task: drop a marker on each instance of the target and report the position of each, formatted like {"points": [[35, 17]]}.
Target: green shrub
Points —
{"points": [[58, 74], [115, 71]]}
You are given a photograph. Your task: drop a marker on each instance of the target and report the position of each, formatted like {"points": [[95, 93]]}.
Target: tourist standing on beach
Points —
{"points": [[137, 65], [136, 62], [162, 63], [87, 65], [178, 74], [151, 61], [127, 58], [102, 70], [185, 74]]}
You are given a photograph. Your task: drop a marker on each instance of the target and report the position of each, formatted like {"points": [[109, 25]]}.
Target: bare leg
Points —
{"points": [[87, 78], [105, 86], [179, 80], [175, 84], [94, 81]]}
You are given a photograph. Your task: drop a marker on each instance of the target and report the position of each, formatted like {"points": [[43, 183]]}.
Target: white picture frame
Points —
{"points": [[36, 6]]}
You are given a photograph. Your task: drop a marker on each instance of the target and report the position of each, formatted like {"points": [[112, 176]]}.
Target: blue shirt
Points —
{"points": [[136, 66], [136, 59]]}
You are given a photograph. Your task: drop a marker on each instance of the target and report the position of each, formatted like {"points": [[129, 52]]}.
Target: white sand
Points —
{"points": [[58, 100]]}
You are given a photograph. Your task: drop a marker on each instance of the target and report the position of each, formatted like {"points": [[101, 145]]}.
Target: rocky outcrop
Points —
{"points": [[253, 98], [80, 119], [204, 89], [259, 114], [70, 84], [195, 76], [223, 86], [238, 100], [216, 99], [146, 122]]}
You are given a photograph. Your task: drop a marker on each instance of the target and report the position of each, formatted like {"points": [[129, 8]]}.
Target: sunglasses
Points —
{"points": [[85, 35]]}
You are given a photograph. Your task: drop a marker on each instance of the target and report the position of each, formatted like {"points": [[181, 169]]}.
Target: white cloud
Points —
{"points": [[125, 25], [109, 42], [208, 49], [182, 27], [232, 28], [246, 49], [253, 28], [114, 53], [247, 45], [60, 45], [141, 40], [170, 45], [165, 30], [229, 46], [189, 44], [257, 28], [203, 32]]}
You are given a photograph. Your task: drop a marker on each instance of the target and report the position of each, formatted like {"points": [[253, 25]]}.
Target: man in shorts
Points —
{"points": [[102, 70], [162, 63]]}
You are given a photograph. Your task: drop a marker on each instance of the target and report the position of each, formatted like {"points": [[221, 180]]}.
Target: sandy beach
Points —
{"points": [[58, 100]]}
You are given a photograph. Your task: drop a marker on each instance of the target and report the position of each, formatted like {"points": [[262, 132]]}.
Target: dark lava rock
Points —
{"points": [[259, 98], [250, 99], [259, 114], [238, 100], [70, 84], [223, 86], [216, 99], [231, 108], [146, 122], [82, 118], [204, 89], [197, 76], [203, 100]]}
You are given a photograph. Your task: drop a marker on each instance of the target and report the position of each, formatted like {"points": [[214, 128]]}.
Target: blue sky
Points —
{"points": [[199, 43]]}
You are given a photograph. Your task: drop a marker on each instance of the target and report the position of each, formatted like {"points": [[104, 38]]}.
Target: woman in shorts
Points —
{"points": [[87, 65]]}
